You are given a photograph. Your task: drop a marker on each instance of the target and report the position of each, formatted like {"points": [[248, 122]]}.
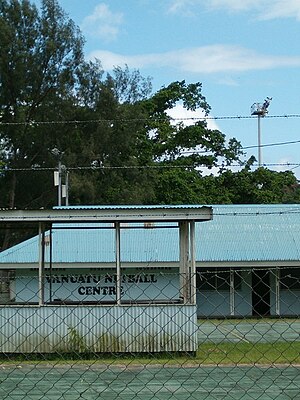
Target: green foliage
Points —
{"points": [[130, 86], [138, 153], [261, 186], [168, 139], [40, 54], [76, 342]]}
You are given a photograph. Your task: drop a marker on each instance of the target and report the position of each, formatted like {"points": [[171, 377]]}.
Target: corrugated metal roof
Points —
{"points": [[98, 245], [236, 233], [251, 233], [108, 214], [131, 207]]}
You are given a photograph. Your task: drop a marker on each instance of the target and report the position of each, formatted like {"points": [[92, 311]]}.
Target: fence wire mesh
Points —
{"points": [[240, 341]]}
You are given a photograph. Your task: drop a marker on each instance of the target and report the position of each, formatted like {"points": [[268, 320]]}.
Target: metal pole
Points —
{"points": [[41, 262], [193, 298], [50, 265], [67, 188], [59, 183], [259, 140], [232, 293], [118, 263], [277, 290], [184, 259]]}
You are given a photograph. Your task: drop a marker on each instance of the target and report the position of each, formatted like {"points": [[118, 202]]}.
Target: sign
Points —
{"points": [[137, 284]]}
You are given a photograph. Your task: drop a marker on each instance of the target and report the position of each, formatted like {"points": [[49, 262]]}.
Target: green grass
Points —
{"points": [[249, 353], [207, 354], [251, 320]]}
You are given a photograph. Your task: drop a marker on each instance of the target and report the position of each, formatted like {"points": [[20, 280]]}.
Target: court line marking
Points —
{"points": [[238, 336]]}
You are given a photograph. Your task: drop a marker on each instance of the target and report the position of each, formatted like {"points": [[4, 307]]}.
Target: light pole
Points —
{"points": [[59, 176], [260, 110]]}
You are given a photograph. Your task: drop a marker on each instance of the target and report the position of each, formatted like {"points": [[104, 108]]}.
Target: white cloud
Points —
{"points": [[110, 60], [281, 9], [267, 9], [228, 81], [188, 117], [236, 5], [180, 6], [283, 164], [230, 5], [102, 23], [207, 59]]}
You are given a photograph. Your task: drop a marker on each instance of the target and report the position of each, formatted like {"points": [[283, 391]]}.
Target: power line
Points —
{"points": [[244, 147], [272, 144], [103, 168], [99, 121]]}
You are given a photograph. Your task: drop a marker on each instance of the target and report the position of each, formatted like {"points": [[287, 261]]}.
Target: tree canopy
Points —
{"points": [[115, 136]]}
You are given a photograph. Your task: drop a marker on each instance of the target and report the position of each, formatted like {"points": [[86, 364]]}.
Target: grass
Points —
{"points": [[207, 354], [249, 353], [251, 320]]}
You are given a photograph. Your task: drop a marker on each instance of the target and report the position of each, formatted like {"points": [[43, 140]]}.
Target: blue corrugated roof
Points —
{"points": [[251, 233], [236, 233], [130, 207]]}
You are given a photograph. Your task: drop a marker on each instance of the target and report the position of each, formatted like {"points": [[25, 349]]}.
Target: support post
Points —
{"points": [[41, 263], [259, 140], [59, 184], [67, 188], [118, 263], [50, 264], [184, 261], [193, 298], [277, 291], [232, 293]]}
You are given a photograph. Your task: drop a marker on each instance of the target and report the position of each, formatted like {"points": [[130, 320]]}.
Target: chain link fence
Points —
{"points": [[239, 341]]}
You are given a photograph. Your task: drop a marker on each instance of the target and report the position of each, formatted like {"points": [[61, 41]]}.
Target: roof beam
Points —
{"points": [[109, 214]]}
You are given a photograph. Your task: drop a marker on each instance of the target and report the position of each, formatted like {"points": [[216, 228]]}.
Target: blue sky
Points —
{"points": [[241, 50]]}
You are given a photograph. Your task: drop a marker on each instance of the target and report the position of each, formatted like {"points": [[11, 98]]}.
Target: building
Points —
{"points": [[99, 279], [247, 261]]}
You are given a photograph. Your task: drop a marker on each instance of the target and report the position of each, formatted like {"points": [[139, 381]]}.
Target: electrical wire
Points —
{"points": [[272, 144], [124, 167], [36, 123], [98, 121], [245, 147]]}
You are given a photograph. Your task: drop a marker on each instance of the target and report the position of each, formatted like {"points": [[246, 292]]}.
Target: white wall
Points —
{"points": [[94, 285]]}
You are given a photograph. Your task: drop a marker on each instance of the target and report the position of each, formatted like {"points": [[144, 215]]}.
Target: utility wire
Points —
{"points": [[272, 144], [245, 147], [290, 165], [103, 168], [98, 121]]}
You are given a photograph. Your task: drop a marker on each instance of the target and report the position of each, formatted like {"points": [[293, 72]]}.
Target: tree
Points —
{"points": [[139, 146], [43, 77], [40, 55], [114, 144], [261, 186], [169, 139], [42, 74], [135, 151]]}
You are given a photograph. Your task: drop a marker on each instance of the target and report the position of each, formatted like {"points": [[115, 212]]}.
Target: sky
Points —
{"points": [[242, 51]]}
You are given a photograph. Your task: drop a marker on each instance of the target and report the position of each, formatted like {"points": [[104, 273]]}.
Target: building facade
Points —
{"points": [[247, 262], [99, 279]]}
